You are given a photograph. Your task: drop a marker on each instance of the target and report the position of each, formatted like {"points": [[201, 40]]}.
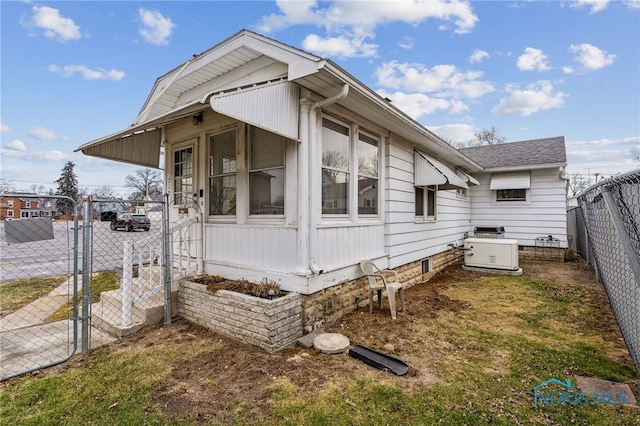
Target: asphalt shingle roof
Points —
{"points": [[523, 153]]}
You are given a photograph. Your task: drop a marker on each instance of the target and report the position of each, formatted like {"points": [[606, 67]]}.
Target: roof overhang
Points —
{"points": [[429, 171], [139, 144]]}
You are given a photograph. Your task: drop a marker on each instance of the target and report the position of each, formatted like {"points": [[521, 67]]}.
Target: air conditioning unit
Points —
{"points": [[491, 255]]}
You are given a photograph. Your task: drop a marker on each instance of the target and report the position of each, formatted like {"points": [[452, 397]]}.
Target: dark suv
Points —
{"points": [[130, 222]]}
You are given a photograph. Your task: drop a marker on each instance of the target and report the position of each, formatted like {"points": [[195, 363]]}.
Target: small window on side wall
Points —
{"points": [[425, 202], [511, 195]]}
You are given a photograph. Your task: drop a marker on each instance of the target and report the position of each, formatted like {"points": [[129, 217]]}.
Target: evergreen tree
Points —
{"points": [[68, 187]]}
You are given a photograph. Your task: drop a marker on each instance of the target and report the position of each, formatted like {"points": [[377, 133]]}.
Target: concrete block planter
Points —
{"points": [[269, 324]]}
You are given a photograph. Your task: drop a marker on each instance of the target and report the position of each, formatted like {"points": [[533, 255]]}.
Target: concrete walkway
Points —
{"points": [[27, 343]]}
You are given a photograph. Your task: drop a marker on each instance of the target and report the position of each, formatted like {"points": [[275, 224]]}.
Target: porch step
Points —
{"points": [[107, 313]]}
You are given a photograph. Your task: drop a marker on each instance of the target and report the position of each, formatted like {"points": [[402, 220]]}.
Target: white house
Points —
{"points": [[523, 188], [299, 171]]}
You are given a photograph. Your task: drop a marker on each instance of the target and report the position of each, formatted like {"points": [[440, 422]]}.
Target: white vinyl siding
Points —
{"points": [[544, 213], [408, 240]]}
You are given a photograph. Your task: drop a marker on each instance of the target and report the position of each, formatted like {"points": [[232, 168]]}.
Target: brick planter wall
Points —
{"points": [[269, 324]]}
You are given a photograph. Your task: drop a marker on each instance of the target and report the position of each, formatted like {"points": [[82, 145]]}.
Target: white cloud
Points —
{"points": [[156, 29], [4, 129], [87, 73], [568, 70], [344, 19], [533, 60], [407, 42], [633, 4], [16, 145], [456, 133], [53, 25], [539, 96], [341, 47], [417, 105], [37, 156], [590, 56], [441, 80], [478, 56], [595, 5], [44, 134]]}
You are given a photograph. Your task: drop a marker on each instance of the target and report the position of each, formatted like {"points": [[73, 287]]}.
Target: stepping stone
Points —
{"points": [[307, 341], [589, 385], [331, 343]]}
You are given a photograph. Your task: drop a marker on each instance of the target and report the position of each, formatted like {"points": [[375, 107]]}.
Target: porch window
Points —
{"points": [[335, 168], [222, 174], [183, 176], [266, 172], [426, 202], [367, 154]]}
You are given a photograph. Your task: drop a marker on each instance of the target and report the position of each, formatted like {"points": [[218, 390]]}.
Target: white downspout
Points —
{"points": [[314, 208]]}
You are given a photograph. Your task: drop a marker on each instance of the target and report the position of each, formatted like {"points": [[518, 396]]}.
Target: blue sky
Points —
{"points": [[72, 72]]}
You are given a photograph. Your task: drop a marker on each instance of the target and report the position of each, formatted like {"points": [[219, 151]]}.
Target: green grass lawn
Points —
{"points": [[15, 294], [514, 333]]}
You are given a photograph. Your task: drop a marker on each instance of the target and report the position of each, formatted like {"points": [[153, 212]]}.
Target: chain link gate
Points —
{"points": [[611, 210], [90, 278], [129, 267], [39, 296]]}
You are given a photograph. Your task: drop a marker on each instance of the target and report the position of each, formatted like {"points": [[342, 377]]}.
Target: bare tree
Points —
{"points": [[490, 136], [577, 184], [37, 188], [146, 184], [6, 186], [103, 192]]}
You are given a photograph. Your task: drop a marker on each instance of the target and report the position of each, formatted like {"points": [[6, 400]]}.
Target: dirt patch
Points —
{"points": [[234, 374], [265, 289]]}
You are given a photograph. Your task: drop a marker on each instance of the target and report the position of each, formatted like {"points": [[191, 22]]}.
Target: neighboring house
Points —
{"points": [[23, 205], [523, 188], [298, 172]]}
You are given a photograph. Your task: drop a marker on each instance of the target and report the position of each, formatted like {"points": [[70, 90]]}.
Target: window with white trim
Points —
{"points": [[350, 170], [27, 204], [222, 173], [367, 157], [266, 172], [10, 213], [511, 195], [425, 203], [183, 176], [10, 203], [335, 167]]}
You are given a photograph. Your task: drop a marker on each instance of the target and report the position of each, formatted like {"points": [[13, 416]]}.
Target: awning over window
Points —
{"points": [[272, 107], [467, 177], [521, 180], [429, 171], [139, 144]]}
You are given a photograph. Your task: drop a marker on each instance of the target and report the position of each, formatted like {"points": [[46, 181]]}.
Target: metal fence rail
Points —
{"points": [[611, 211]]}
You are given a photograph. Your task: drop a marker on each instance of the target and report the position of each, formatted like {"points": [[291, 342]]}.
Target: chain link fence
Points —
{"points": [[38, 284], [124, 266], [611, 211]]}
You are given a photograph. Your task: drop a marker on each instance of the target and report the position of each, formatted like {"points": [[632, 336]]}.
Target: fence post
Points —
{"points": [[618, 224], [85, 316], [166, 245], [127, 285]]}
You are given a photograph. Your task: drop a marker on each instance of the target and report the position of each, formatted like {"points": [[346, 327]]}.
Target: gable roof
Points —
{"points": [[245, 61], [530, 154]]}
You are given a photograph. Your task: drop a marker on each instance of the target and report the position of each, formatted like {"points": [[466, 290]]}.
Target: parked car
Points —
{"points": [[130, 222]]}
